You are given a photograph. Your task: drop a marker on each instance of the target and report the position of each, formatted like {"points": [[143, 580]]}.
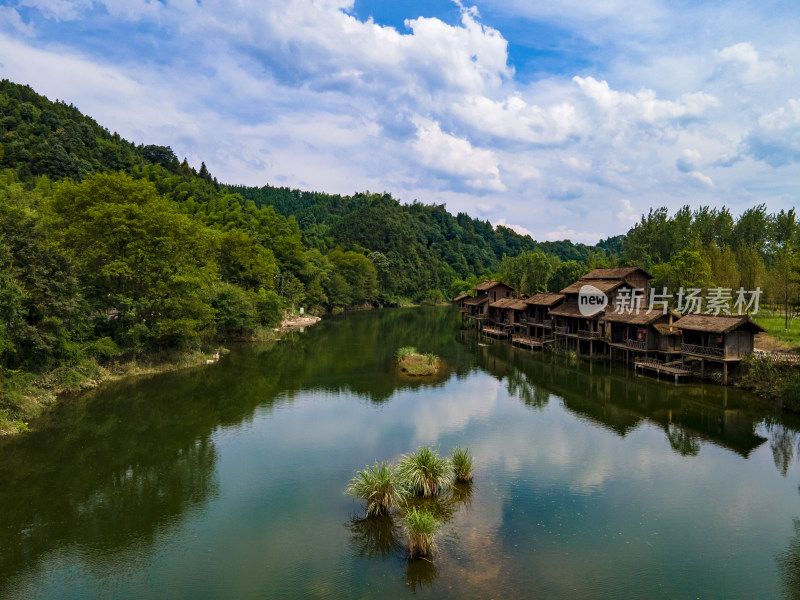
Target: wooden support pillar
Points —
{"points": [[702, 368], [724, 373]]}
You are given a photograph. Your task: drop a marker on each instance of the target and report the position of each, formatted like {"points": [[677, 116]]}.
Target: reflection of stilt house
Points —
{"points": [[579, 322], [719, 339]]}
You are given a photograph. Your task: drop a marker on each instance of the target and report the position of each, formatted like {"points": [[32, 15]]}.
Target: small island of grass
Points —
{"points": [[415, 364]]}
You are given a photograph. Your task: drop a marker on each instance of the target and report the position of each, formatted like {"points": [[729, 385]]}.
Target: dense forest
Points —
{"points": [[112, 251]]}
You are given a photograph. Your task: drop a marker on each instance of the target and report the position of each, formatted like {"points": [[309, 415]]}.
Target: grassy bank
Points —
{"points": [[775, 380], [775, 324], [25, 395]]}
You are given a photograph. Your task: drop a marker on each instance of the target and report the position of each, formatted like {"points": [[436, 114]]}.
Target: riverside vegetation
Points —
{"points": [[114, 253], [423, 489]]}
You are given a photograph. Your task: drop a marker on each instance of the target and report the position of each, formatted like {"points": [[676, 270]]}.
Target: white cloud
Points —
{"points": [[565, 233], [515, 119], [10, 19], [701, 178], [518, 228], [688, 160], [644, 106], [456, 156], [776, 137], [60, 10], [627, 215], [746, 59]]}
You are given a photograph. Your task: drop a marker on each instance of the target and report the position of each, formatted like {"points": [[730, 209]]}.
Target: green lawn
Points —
{"points": [[774, 323]]}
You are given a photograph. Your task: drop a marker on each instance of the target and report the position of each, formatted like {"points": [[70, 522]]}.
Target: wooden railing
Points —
{"points": [[778, 356], [636, 344], [703, 350], [560, 330], [589, 335]]}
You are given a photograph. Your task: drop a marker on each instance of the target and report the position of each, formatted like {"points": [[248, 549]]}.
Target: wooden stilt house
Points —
{"points": [[504, 314], [477, 307], [720, 339], [579, 321], [534, 329], [641, 333]]}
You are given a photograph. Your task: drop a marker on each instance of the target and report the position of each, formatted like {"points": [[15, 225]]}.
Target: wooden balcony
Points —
{"points": [[560, 330], [703, 351], [588, 335], [636, 344]]}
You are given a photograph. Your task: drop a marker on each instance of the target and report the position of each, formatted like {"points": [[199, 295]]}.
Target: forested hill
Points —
{"points": [[417, 252], [416, 247]]}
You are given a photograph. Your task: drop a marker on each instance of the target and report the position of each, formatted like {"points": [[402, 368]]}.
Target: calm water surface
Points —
{"points": [[227, 481]]}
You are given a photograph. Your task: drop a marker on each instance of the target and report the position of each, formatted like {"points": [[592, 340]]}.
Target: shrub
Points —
{"points": [[377, 486], [431, 358], [424, 472]]}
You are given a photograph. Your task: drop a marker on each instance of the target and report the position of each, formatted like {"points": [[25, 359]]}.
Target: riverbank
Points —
{"points": [[25, 396], [775, 377]]}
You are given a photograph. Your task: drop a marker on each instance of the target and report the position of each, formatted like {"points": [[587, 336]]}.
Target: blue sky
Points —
{"points": [[560, 119]]}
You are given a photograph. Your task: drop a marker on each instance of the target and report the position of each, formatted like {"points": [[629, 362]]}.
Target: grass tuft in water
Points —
{"points": [[424, 472], [461, 458], [421, 526], [405, 352], [377, 486]]}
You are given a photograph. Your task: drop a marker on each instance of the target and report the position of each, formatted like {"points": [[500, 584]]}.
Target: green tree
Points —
{"points": [[137, 255]]}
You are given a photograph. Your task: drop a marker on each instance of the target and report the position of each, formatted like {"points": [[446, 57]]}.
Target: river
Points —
{"points": [[227, 481]]}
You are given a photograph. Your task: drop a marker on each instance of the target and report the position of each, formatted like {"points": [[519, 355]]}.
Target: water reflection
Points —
{"points": [[375, 537], [420, 573], [116, 467], [621, 401]]}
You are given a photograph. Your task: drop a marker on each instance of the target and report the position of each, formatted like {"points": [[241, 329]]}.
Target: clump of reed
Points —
{"points": [[424, 490], [378, 487], [431, 358], [405, 352], [421, 527], [461, 459], [424, 472]]}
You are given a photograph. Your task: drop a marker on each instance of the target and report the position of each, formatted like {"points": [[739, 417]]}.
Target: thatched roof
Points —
{"points": [[487, 285], [512, 303], [461, 297], [476, 300], [604, 285], [716, 323], [640, 317], [615, 273], [666, 329], [571, 309], [544, 299]]}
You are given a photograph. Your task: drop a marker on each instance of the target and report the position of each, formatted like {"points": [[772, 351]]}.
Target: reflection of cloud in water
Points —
{"points": [[465, 400]]}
